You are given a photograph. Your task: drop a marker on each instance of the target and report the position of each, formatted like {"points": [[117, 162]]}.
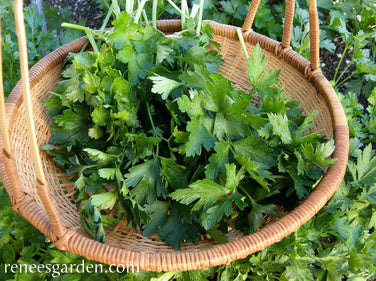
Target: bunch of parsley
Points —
{"points": [[155, 135]]}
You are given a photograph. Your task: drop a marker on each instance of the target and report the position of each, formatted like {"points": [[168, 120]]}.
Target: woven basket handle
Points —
{"points": [[314, 31], [41, 182]]}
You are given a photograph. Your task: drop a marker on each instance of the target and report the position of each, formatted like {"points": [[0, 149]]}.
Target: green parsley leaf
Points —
{"points": [[158, 212], [320, 153], [105, 200], [138, 63], [255, 149], [256, 216], [206, 191], [107, 173], [280, 125], [174, 175], [163, 85], [71, 126], [217, 235], [218, 160], [198, 137], [146, 180]]}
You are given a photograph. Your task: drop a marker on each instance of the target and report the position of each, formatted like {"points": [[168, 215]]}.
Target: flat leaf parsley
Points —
{"points": [[154, 134]]}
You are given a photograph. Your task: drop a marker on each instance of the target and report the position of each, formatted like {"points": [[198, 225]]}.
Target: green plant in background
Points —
{"points": [[362, 46], [38, 43], [357, 14], [300, 34]]}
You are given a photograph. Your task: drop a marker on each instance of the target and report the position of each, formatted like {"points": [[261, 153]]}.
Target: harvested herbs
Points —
{"points": [[155, 135]]}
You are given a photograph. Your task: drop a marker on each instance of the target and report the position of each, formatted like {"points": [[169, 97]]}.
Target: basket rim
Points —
{"points": [[219, 254]]}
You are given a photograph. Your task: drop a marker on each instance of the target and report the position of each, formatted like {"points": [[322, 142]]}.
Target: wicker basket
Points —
{"points": [[43, 194]]}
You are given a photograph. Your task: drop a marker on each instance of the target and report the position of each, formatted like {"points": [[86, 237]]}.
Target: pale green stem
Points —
{"points": [[131, 5], [151, 120], [108, 16], [92, 41], [184, 10], [139, 11], [84, 28], [344, 80], [340, 62], [116, 8], [177, 9], [154, 13], [145, 16], [344, 71], [247, 194], [242, 43], [201, 10]]}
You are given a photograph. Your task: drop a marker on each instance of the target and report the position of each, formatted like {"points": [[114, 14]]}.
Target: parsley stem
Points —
{"points": [[92, 41], [201, 9], [151, 120], [108, 16], [152, 124], [154, 13], [247, 194], [177, 9], [340, 62], [145, 15], [139, 11], [184, 10], [84, 28], [344, 71], [344, 80], [242, 43], [116, 8]]}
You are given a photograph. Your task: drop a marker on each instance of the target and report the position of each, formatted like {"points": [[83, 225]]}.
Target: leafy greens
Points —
{"points": [[154, 134]]}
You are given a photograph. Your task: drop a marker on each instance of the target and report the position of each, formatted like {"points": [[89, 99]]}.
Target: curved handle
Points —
{"points": [[314, 34], [288, 24], [248, 22], [41, 182]]}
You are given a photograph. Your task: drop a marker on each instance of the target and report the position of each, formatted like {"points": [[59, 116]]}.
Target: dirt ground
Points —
{"points": [[87, 10]]}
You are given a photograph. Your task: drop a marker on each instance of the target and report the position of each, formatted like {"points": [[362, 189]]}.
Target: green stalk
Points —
{"points": [[242, 43], [344, 71], [131, 5], [116, 8], [145, 16], [154, 13], [177, 9], [108, 16], [153, 126], [247, 195], [139, 11], [344, 80], [84, 28], [106, 4], [184, 10], [151, 120], [340, 62], [92, 41], [201, 10]]}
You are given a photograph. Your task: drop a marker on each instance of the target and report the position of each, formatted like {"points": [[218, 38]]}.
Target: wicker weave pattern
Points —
{"points": [[128, 246]]}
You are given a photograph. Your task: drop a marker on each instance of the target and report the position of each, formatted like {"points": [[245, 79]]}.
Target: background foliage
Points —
{"points": [[339, 243]]}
